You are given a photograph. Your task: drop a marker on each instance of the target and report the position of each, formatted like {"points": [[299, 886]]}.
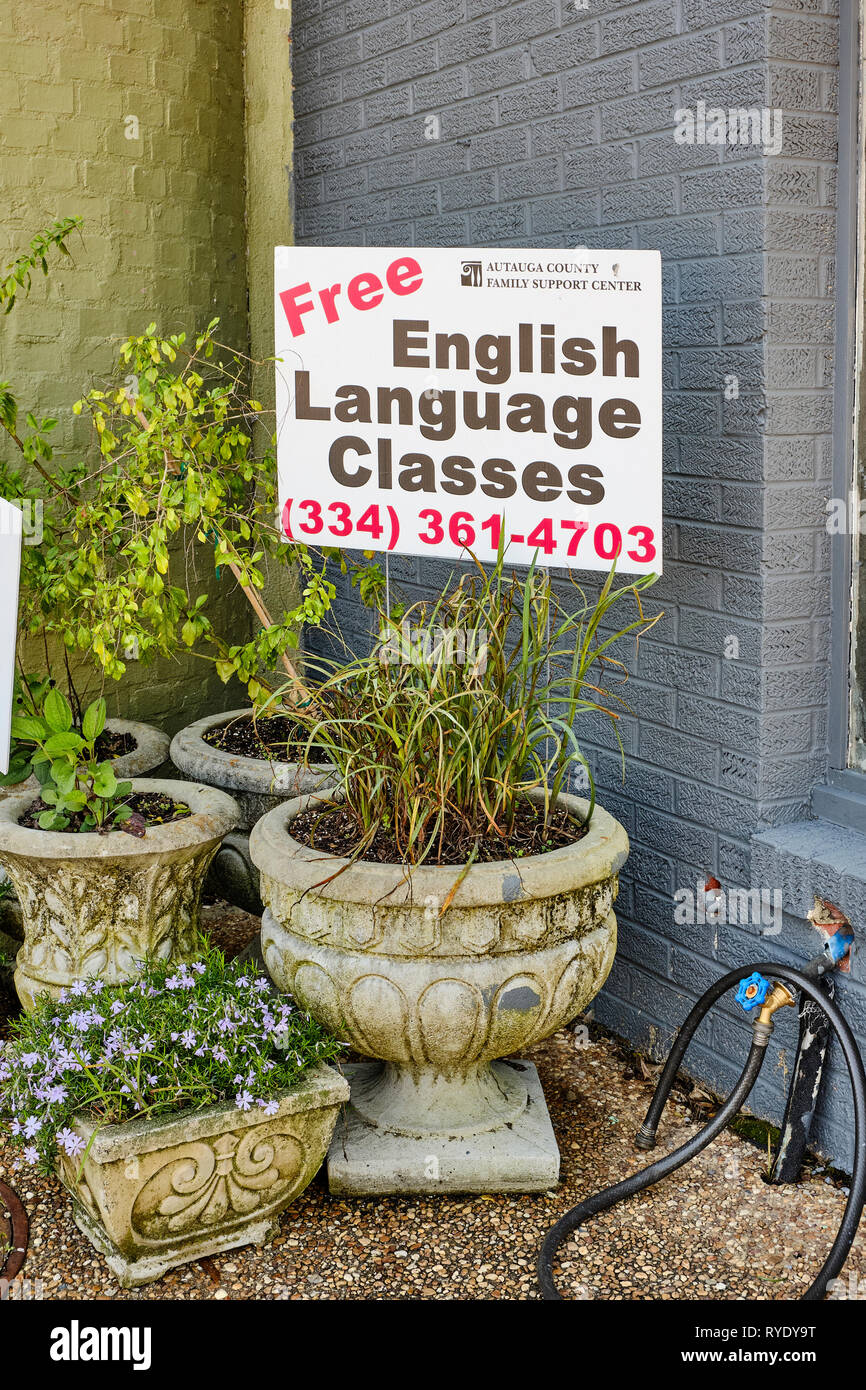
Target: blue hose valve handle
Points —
{"points": [[838, 945], [752, 991]]}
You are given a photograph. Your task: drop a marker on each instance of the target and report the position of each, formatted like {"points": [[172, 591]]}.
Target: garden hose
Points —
{"points": [[755, 991]]}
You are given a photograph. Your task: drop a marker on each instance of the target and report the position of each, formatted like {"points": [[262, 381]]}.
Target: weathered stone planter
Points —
{"points": [[257, 785], [522, 948], [155, 1193], [150, 752], [94, 904], [11, 936]]}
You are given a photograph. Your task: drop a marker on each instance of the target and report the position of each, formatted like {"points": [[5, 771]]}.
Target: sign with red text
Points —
{"points": [[431, 400], [11, 530]]}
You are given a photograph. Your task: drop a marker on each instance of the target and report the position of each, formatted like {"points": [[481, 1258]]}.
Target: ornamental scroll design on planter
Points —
{"points": [[214, 1184]]}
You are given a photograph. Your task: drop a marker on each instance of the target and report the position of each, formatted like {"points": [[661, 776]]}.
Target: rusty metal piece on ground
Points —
{"points": [[14, 1228], [210, 1269]]}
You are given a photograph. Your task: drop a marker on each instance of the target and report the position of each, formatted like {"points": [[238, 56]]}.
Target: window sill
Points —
{"points": [[842, 800]]}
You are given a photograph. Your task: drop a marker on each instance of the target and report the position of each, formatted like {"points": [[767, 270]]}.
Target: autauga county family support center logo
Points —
{"points": [[471, 273], [541, 275]]}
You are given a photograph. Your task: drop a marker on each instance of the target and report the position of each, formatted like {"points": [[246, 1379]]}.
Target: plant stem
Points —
{"points": [[73, 693], [250, 595], [36, 464], [267, 621]]}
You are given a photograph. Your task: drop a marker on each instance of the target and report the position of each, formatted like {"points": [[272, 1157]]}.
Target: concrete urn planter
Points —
{"points": [[155, 1193], [94, 904], [257, 784], [150, 752], [438, 999]]}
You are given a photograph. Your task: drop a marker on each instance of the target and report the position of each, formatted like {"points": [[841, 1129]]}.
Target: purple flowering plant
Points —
{"points": [[176, 1037]]}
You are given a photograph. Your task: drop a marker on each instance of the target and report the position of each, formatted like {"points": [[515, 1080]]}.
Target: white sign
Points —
{"points": [[430, 399], [11, 527]]}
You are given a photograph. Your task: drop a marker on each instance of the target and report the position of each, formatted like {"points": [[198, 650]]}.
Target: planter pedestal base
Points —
{"points": [[130, 1274], [518, 1154], [233, 876]]}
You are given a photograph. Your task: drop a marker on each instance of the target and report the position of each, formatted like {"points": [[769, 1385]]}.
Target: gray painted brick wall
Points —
{"points": [[550, 123]]}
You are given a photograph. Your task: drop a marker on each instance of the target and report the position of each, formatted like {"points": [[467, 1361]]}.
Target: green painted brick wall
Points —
{"points": [[130, 114]]}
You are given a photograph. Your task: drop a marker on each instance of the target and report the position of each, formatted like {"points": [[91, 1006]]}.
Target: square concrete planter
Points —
{"points": [[156, 1193]]}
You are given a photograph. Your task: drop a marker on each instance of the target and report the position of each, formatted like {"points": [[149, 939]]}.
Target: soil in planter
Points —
{"points": [[334, 831], [113, 744], [273, 738], [148, 809]]}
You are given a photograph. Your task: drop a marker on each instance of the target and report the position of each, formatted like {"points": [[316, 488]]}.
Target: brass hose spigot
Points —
{"points": [[780, 997], [756, 992]]}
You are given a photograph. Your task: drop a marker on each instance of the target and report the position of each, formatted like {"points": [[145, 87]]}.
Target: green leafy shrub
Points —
{"points": [[28, 700], [73, 782], [19, 275], [179, 471]]}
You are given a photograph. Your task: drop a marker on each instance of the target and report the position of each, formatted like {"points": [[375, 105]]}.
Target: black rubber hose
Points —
{"points": [[602, 1201], [646, 1135]]}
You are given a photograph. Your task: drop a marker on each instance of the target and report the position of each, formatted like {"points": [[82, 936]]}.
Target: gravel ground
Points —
{"points": [[714, 1230]]}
